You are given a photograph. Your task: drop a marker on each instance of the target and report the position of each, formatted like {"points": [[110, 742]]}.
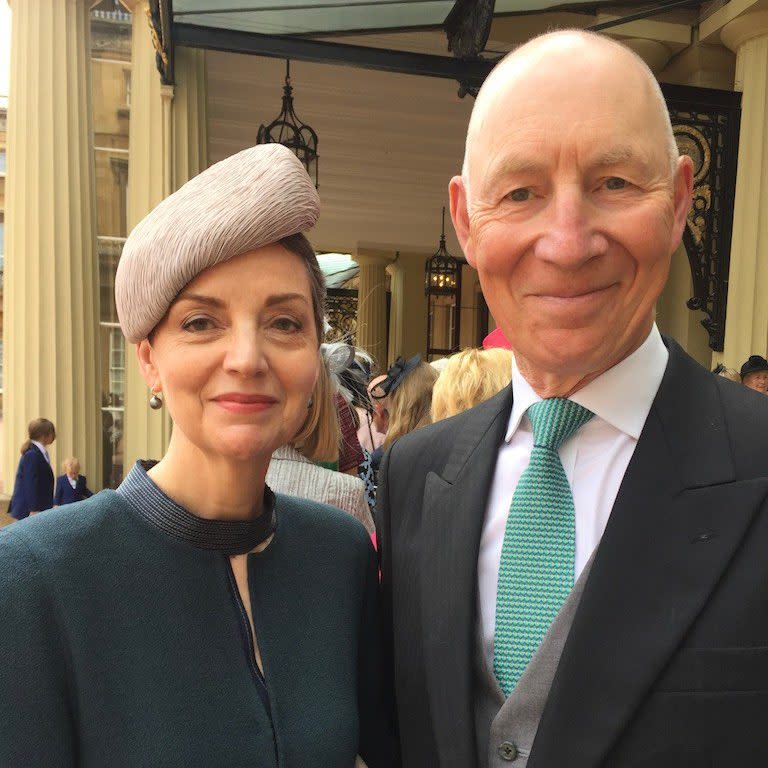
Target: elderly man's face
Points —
{"points": [[573, 211]]}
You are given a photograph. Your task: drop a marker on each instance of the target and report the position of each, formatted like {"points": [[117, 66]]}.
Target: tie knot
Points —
{"points": [[555, 420]]}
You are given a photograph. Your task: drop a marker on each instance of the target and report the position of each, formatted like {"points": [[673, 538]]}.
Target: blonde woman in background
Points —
{"points": [[293, 472], [404, 399], [469, 378]]}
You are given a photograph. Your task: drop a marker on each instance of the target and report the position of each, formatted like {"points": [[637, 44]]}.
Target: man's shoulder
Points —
{"points": [[702, 407], [434, 443], [746, 419]]}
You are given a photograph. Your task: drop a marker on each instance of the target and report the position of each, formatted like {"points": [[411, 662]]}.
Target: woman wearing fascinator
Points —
{"points": [[402, 400], [193, 617]]}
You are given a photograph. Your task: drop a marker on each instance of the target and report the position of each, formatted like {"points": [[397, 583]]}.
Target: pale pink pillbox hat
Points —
{"points": [[247, 201]]}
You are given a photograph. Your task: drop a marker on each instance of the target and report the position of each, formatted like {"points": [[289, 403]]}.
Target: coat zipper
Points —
{"points": [[258, 676]]}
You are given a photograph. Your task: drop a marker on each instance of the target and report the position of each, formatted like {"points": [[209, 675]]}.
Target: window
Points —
{"points": [[117, 364], [2, 161]]}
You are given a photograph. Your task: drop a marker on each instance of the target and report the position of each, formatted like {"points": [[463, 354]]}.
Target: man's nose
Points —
{"points": [[569, 236], [245, 355]]}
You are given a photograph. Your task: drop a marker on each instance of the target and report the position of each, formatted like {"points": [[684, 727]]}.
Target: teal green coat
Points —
{"points": [[124, 647]]}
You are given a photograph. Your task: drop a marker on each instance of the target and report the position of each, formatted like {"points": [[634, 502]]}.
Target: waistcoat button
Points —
{"points": [[507, 751]]}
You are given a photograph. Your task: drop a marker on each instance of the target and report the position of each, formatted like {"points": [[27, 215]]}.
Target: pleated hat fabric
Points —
{"points": [[247, 201]]}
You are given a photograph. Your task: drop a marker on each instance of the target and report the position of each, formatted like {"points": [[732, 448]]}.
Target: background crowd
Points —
{"points": [[335, 458]]}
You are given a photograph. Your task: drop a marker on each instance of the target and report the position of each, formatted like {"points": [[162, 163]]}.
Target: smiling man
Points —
{"points": [[575, 569]]}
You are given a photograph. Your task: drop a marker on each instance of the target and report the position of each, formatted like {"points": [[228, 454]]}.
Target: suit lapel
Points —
{"points": [[453, 514], [673, 530]]}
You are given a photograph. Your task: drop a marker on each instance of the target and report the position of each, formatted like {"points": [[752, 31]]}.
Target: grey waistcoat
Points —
{"points": [[505, 729]]}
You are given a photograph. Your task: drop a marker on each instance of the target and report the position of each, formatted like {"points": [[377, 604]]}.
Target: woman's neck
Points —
{"points": [[215, 488]]}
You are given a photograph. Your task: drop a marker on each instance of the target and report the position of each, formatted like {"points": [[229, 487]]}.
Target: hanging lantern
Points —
{"points": [[288, 130], [442, 286]]}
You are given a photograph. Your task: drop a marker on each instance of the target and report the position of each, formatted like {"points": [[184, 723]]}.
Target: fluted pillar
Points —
{"points": [[372, 303], [147, 432], [746, 330], [396, 311], [50, 332], [167, 146], [190, 115]]}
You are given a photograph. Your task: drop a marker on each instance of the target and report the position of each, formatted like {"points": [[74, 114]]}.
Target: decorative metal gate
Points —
{"points": [[341, 311], [706, 126]]}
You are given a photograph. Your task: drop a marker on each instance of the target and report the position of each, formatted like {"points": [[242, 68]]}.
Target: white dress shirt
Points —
{"points": [[594, 459], [43, 450]]}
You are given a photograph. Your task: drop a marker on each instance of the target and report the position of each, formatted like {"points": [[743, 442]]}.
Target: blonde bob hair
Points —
{"points": [[409, 405], [469, 378], [71, 464], [319, 437]]}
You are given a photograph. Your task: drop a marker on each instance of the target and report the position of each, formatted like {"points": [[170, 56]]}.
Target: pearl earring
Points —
{"points": [[155, 402]]}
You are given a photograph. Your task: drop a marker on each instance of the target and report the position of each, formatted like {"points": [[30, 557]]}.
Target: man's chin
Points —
{"points": [[568, 353]]}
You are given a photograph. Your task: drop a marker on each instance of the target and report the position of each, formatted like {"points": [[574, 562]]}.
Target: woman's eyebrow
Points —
{"points": [[280, 298], [201, 299]]}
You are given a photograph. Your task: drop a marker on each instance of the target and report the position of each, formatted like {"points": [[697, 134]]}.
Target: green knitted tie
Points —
{"points": [[537, 557]]}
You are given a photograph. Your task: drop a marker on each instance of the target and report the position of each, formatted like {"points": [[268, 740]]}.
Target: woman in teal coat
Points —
{"points": [[193, 617]]}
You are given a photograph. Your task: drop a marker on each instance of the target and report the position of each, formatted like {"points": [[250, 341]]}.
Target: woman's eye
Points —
{"points": [[519, 195], [286, 324], [197, 324], [615, 183]]}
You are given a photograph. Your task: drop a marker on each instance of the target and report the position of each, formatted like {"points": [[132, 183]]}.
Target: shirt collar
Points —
{"points": [[232, 537], [42, 448], [622, 396]]}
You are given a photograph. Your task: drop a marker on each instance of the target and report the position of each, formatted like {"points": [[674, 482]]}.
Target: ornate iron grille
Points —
{"points": [[706, 126], [341, 311]]}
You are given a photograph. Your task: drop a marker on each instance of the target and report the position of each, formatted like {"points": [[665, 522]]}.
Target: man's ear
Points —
{"points": [[145, 355], [457, 193], [683, 192]]}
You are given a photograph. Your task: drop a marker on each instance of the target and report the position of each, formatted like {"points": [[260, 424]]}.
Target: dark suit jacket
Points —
{"points": [[66, 494], [33, 487], [666, 663]]}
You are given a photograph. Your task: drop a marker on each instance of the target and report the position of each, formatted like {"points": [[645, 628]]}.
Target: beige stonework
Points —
{"points": [[51, 354], [746, 330], [167, 146], [372, 303], [408, 310]]}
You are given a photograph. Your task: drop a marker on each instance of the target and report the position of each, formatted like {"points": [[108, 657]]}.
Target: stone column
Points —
{"points": [[396, 312], [147, 432], [372, 304], [167, 146], [673, 316], [190, 115], [746, 330], [51, 272]]}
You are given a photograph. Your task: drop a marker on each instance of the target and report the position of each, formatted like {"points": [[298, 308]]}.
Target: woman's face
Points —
{"points": [[236, 356]]}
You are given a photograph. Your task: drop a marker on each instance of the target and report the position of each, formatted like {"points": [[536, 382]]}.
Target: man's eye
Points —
{"points": [[519, 195], [615, 183]]}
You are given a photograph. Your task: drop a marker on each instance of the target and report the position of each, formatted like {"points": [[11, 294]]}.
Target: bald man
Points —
{"points": [[576, 571]]}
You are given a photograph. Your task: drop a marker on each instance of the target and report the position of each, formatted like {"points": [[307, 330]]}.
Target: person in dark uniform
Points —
{"points": [[192, 617], [71, 486], [33, 487]]}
